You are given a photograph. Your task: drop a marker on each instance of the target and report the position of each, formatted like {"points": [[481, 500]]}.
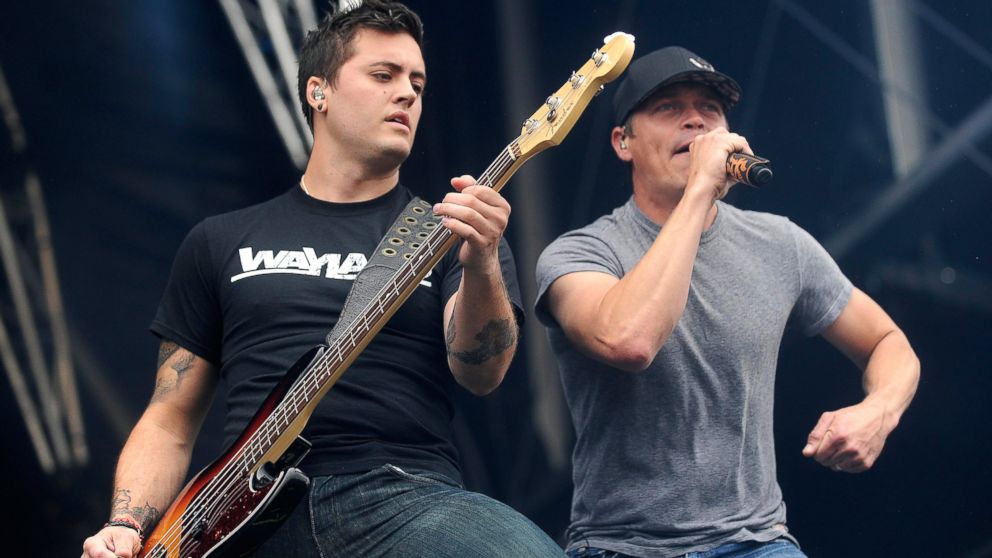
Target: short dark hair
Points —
{"points": [[329, 46]]}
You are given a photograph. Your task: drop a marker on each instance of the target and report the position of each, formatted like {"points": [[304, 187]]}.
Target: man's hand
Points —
{"points": [[708, 162], [850, 439], [112, 542], [478, 215]]}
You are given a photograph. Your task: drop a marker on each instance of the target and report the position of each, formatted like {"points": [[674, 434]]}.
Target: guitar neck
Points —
{"points": [[299, 403], [397, 289]]}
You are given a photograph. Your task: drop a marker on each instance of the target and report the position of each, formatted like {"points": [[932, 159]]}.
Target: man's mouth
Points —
{"points": [[684, 148], [400, 118]]}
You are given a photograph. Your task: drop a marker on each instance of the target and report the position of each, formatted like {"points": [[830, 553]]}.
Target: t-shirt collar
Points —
{"points": [[653, 228]]}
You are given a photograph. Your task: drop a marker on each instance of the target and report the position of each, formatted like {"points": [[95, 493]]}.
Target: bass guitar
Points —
{"points": [[234, 504]]}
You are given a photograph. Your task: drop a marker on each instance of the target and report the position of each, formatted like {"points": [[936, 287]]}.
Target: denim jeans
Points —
{"points": [[778, 548], [392, 512]]}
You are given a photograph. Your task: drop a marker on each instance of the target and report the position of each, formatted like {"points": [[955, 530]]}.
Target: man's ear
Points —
{"points": [[317, 93], [618, 139]]}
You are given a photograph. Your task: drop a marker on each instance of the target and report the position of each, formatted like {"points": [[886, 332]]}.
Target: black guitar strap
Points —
{"points": [[404, 236]]}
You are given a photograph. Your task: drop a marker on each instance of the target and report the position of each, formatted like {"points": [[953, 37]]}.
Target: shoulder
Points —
{"points": [[751, 219], [744, 224], [595, 236], [240, 217]]}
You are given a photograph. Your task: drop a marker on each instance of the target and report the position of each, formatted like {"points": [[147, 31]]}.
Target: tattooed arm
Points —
{"points": [[480, 329], [481, 335], [155, 458]]}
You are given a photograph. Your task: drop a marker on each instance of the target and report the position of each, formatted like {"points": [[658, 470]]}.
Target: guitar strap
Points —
{"points": [[404, 236]]}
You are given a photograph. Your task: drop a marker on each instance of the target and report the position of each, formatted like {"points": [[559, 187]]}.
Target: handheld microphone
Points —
{"points": [[749, 169]]}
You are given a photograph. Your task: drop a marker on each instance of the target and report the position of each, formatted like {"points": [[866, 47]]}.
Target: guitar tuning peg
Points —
{"points": [[599, 90], [576, 80]]}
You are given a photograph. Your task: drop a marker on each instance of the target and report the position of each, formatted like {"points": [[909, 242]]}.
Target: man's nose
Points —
{"points": [[693, 119], [406, 94]]}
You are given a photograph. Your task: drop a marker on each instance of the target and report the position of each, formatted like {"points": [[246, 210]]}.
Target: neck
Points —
{"points": [[341, 179], [658, 205]]}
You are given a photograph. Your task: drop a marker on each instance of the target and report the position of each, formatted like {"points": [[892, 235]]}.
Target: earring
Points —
{"points": [[318, 93], [320, 107]]}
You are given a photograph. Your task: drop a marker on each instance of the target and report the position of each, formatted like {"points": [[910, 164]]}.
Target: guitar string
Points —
{"points": [[229, 476], [280, 412]]}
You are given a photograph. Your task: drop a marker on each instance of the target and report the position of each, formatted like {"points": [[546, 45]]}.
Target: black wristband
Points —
{"points": [[129, 523]]}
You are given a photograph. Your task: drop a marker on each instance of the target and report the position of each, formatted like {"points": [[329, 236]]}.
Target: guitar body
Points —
{"points": [[227, 511]]}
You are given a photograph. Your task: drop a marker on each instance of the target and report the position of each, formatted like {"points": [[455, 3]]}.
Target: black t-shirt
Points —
{"points": [[252, 290]]}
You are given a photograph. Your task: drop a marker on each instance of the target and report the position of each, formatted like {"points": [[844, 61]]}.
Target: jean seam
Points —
{"points": [[400, 473], [313, 526]]}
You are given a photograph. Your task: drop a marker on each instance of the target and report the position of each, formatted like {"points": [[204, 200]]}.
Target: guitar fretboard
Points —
{"points": [[323, 372]]}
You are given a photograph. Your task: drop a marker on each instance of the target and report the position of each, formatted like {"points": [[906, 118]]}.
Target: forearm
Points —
{"points": [[891, 376], [482, 332], [639, 313], [150, 471]]}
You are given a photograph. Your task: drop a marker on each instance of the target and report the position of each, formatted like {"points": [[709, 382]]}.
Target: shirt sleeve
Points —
{"points": [[571, 253], [824, 291], [189, 312]]}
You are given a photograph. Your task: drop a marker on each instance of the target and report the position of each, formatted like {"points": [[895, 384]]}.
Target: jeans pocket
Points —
{"points": [[422, 477]]}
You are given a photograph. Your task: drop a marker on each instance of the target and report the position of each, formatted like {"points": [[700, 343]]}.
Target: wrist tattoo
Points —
{"points": [[494, 339], [145, 515]]}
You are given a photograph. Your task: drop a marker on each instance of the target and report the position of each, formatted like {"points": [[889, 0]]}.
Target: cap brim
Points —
{"points": [[724, 86]]}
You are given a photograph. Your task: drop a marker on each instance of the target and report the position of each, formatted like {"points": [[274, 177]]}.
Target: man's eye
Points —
{"points": [[381, 76], [418, 88], [711, 107], [665, 107]]}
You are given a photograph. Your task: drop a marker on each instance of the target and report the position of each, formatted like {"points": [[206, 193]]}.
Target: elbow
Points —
{"points": [[630, 354], [477, 380], [481, 388]]}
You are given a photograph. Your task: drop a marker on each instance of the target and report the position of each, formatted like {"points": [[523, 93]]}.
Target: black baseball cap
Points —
{"points": [[666, 66]]}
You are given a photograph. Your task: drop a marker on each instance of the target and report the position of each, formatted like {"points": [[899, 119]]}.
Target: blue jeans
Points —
{"points": [[392, 512], [778, 548]]}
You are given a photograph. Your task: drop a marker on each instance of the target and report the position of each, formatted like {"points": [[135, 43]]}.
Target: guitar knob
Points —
{"points": [[576, 80]]}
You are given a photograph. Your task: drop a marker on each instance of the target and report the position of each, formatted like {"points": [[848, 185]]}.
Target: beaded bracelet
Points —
{"points": [[129, 523]]}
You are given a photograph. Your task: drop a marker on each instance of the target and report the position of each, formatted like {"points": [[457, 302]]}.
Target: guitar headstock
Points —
{"points": [[551, 123]]}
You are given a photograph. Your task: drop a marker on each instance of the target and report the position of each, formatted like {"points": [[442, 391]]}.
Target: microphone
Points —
{"points": [[749, 169]]}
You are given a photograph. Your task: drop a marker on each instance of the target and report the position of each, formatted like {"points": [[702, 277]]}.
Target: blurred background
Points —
{"points": [[128, 122]]}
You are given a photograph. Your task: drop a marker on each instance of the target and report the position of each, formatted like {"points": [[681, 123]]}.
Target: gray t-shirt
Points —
{"points": [[681, 457]]}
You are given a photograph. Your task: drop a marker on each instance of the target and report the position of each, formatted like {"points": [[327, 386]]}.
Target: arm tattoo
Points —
{"points": [[494, 338], [146, 515], [166, 350], [166, 383], [449, 339]]}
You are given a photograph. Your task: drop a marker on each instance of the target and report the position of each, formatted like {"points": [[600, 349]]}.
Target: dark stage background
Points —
{"points": [[142, 118]]}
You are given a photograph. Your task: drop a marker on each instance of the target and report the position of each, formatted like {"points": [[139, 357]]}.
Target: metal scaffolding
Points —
{"points": [[47, 398]]}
